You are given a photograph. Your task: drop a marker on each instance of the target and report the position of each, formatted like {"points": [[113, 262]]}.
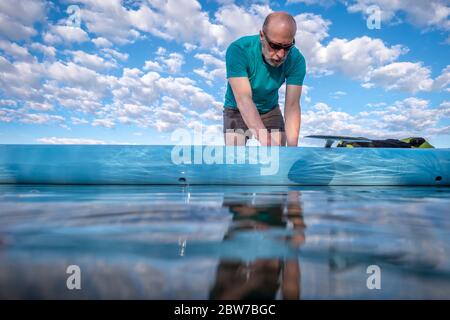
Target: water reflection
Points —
{"points": [[224, 242], [262, 278]]}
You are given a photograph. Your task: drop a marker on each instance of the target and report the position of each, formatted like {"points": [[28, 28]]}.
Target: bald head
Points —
{"points": [[280, 23]]}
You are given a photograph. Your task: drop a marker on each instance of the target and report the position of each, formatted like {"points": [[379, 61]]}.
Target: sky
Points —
{"points": [[134, 72]]}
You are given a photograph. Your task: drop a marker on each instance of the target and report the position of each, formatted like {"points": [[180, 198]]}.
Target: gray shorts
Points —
{"points": [[273, 120]]}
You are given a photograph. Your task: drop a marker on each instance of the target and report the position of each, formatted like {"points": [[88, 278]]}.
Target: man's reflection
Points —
{"points": [[272, 278]]}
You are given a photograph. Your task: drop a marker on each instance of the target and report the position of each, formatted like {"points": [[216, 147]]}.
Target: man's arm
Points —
{"points": [[292, 114], [243, 94]]}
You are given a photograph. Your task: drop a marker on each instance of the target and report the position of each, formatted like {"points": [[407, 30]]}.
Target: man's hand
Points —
{"points": [[243, 94], [267, 139]]}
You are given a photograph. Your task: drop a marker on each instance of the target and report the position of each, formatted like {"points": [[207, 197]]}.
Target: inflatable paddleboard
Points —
{"points": [[219, 165]]}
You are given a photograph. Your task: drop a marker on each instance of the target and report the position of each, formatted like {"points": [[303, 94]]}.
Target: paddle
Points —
{"points": [[331, 139]]}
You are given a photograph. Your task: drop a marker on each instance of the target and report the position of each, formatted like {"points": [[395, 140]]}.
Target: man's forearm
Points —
{"points": [[292, 116], [251, 116]]}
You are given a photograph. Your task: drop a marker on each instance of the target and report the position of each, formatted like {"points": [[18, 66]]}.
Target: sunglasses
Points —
{"points": [[278, 47]]}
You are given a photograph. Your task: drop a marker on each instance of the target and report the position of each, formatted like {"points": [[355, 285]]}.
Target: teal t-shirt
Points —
{"points": [[244, 59]]}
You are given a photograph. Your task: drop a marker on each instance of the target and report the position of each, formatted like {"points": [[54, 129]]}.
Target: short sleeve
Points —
{"points": [[236, 62], [297, 71]]}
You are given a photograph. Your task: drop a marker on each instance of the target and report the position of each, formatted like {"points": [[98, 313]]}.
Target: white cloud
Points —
{"points": [[338, 94], [153, 65], [431, 13], [170, 63], [65, 34], [174, 62], [41, 118], [55, 140], [8, 102], [401, 119], [310, 2], [189, 47], [17, 18], [39, 106], [73, 74], [443, 81], [109, 53], [20, 79], [46, 50], [428, 14], [401, 76], [235, 22], [213, 68], [110, 20], [107, 123], [354, 58], [91, 61], [365, 59], [86, 100], [14, 50], [102, 42], [77, 121], [179, 20]]}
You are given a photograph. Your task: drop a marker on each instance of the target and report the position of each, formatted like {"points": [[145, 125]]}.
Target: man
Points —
{"points": [[257, 66]]}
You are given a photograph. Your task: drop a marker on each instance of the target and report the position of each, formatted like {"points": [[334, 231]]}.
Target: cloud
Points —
{"points": [[354, 58], [174, 62], [153, 65], [213, 67], [235, 21], [431, 13], [65, 34], [39, 106], [23, 115], [17, 18], [102, 42], [364, 59], [401, 119], [107, 123], [111, 21], [41, 118], [167, 62], [77, 121], [338, 94], [401, 76], [20, 79], [55, 140], [183, 21], [428, 14], [91, 61], [8, 102], [324, 3], [442, 82], [111, 53], [74, 74], [46, 50], [14, 50]]}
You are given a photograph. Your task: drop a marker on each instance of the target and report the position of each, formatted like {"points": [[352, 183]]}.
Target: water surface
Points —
{"points": [[216, 242]]}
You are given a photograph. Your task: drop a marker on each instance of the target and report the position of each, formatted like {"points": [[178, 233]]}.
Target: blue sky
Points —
{"points": [[132, 72]]}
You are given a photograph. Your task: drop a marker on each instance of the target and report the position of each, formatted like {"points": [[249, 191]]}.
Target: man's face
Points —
{"points": [[276, 47]]}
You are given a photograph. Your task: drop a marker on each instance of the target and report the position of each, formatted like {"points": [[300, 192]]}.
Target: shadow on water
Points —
{"points": [[219, 242]]}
